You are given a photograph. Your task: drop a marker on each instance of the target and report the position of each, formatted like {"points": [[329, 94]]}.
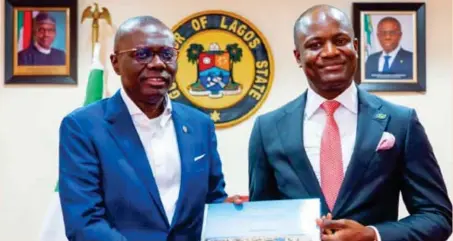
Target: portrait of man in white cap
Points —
{"points": [[40, 50]]}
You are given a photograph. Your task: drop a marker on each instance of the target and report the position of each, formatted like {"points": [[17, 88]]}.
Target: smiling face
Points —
{"points": [[389, 34], [327, 51], [146, 62], [44, 30], [45, 34]]}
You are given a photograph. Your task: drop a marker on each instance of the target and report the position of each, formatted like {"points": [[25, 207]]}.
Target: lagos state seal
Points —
{"points": [[225, 66]]}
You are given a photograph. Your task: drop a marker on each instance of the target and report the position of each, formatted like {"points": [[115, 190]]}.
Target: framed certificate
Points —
{"points": [[282, 220]]}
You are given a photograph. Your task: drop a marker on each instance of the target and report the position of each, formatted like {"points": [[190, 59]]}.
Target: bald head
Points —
{"points": [[318, 14], [392, 20], [141, 23], [145, 59]]}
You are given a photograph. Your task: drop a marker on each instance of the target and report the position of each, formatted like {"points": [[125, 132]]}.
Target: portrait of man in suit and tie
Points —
{"points": [[392, 60]]}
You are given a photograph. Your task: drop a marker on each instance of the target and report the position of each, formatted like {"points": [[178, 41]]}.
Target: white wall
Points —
{"points": [[30, 115]]}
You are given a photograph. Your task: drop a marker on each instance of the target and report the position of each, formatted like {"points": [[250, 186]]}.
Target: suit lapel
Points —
{"points": [[291, 132], [370, 126], [123, 132], [184, 134], [396, 65]]}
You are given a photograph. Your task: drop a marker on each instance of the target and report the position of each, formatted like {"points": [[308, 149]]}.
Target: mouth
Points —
{"points": [[333, 67], [155, 81]]}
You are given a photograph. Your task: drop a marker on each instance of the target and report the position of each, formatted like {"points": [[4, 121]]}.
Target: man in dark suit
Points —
{"points": [[393, 62], [353, 150], [40, 51], [137, 166]]}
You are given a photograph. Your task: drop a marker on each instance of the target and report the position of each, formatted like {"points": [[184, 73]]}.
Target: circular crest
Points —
{"points": [[225, 66]]}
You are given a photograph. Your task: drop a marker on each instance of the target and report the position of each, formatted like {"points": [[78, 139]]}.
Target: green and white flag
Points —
{"points": [[95, 86], [53, 226], [368, 27]]}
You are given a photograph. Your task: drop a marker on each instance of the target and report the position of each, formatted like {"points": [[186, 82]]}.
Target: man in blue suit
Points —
{"points": [[393, 62], [353, 150], [137, 166]]}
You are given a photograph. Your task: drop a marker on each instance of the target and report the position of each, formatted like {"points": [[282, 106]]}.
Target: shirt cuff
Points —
{"points": [[378, 237]]}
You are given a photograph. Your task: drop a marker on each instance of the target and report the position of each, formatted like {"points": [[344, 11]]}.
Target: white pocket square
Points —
{"points": [[387, 141], [198, 157]]}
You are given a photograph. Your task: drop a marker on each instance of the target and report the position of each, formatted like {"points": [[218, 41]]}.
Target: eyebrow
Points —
{"points": [[316, 38], [312, 38]]}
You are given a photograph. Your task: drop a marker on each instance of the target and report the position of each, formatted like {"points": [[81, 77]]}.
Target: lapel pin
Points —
{"points": [[401, 61], [184, 128], [381, 116]]}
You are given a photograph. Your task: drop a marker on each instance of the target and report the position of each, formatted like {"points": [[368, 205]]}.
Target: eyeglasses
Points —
{"points": [[145, 55], [42, 30], [391, 33]]}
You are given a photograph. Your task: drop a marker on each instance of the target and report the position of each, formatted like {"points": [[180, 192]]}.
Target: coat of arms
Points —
{"points": [[225, 66], [214, 69]]}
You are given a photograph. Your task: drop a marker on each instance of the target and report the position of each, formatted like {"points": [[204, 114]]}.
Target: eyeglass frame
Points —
{"points": [[154, 53], [390, 32]]}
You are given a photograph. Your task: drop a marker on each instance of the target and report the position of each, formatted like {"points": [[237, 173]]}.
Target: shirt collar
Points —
{"points": [[391, 54], [347, 99], [140, 117], [41, 49]]}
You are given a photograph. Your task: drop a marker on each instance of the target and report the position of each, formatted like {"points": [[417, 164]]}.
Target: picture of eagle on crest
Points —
{"points": [[214, 70]]}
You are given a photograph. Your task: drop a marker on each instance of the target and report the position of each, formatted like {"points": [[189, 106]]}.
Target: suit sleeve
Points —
{"points": [[424, 193], [80, 187], [216, 192], [262, 183]]}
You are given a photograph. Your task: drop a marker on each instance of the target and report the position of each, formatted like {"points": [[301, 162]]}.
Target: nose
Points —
{"points": [[156, 63], [329, 50]]}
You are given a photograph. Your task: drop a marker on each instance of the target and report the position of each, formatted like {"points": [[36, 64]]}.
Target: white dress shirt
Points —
{"points": [[158, 137], [392, 57], [346, 118], [315, 119]]}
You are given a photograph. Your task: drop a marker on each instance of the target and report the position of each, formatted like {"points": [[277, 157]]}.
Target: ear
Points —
{"points": [[114, 61], [297, 56]]}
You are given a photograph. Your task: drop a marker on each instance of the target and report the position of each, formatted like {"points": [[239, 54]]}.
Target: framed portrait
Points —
{"points": [[391, 47], [41, 42]]}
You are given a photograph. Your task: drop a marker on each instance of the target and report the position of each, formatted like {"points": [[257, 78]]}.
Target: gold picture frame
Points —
{"points": [[41, 42]]}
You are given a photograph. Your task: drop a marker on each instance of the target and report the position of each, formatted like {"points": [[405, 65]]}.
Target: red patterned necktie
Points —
{"points": [[331, 158]]}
